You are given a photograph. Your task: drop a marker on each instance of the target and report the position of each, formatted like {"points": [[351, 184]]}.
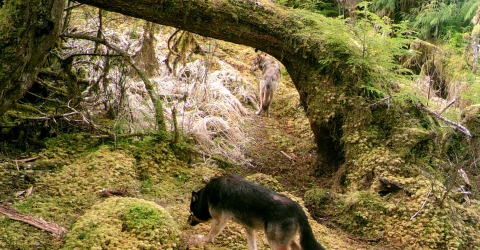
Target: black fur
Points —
{"points": [[199, 206], [253, 206]]}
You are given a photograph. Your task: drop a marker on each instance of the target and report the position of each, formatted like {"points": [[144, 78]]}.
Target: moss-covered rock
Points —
{"points": [[124, 223]]}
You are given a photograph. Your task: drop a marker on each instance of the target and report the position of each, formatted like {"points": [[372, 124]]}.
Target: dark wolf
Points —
{"points": [[269, 82], [255, 207]]}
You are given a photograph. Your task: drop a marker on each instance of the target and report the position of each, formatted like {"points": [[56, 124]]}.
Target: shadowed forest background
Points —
{"points": [[112, 112]]}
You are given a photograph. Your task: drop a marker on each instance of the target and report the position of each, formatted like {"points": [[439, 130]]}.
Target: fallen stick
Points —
{"points": [[28, 159], [458, 126], [423, 205], [53, 228], [288, 156]]}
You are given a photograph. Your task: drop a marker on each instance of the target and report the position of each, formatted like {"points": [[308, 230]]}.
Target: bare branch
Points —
{"points": [[148, 85], [55, 229], [373, 105], [288, 156], [423, 205], [28, 159], [447, 106], [460, 127]]}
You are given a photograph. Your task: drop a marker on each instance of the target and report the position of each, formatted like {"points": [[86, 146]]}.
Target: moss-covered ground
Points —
{"points": [[155, 180], [72, 173]]}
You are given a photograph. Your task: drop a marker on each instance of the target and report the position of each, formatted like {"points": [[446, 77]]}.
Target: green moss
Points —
{"points": [[18, 235], [140, 217], [318, 198], [471, 119], [265, 181], [62, 196], [124, 223]]}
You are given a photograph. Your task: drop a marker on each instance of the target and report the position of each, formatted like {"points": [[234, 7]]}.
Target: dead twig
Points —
{"points": [[373, 105], [40, 223], [447, 106], [423, 205], [160, 119], [288, 156], [112, 192], [459, 127], [27, 159]]}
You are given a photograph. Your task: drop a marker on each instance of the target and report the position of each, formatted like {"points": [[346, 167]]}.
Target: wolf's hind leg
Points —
{"points": [[251, 238], [281, 234], [262, 97], [217, 226]]}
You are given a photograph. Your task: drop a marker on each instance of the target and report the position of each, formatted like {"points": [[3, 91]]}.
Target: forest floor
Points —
{"points": [[70, 171]]}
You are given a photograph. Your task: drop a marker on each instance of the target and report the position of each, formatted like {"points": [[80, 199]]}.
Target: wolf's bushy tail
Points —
{"points": [[307, 239]]}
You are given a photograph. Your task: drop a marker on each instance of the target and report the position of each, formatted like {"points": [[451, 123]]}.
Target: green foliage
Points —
{"points": [[381, 43], [457, 42], [469, 10], [440, 18], [326, 8]]}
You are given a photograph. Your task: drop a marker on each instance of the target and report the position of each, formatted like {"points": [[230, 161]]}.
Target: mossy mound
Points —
{"points": [[124, 223], [61, 196], [399, 220]]}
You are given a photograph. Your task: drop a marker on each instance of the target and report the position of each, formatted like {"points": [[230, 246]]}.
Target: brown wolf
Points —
{"points": [[231, 197], [269, 82]]}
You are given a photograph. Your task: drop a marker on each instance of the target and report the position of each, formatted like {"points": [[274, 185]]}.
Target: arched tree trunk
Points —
{"points": [[28, 30], [297, 41]]}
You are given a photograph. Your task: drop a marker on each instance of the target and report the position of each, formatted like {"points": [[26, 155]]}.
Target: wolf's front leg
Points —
{"points": [[217, 227], [251, 239]]}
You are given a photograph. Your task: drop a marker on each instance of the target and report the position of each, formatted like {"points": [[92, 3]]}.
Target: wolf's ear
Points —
{"points": [[194, 196]]}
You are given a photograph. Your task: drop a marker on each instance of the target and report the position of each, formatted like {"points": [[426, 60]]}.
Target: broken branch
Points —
{"points": [[40, 223], [460, 128], [447, 106], [288, 156], [423, 205]]}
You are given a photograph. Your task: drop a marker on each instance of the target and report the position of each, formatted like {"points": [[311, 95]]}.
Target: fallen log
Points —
{"points": [[40, 223]]}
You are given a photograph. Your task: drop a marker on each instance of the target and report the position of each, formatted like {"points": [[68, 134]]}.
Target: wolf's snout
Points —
{"points": [[192, 220]]}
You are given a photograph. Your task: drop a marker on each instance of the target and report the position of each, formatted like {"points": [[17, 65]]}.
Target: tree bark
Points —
{"points": [[28, 30]]}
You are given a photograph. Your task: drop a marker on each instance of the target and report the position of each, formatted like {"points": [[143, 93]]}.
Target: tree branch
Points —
{"points": [[423, 205], [459, 127], [447, 106], [55, 229], [243, 22]]}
